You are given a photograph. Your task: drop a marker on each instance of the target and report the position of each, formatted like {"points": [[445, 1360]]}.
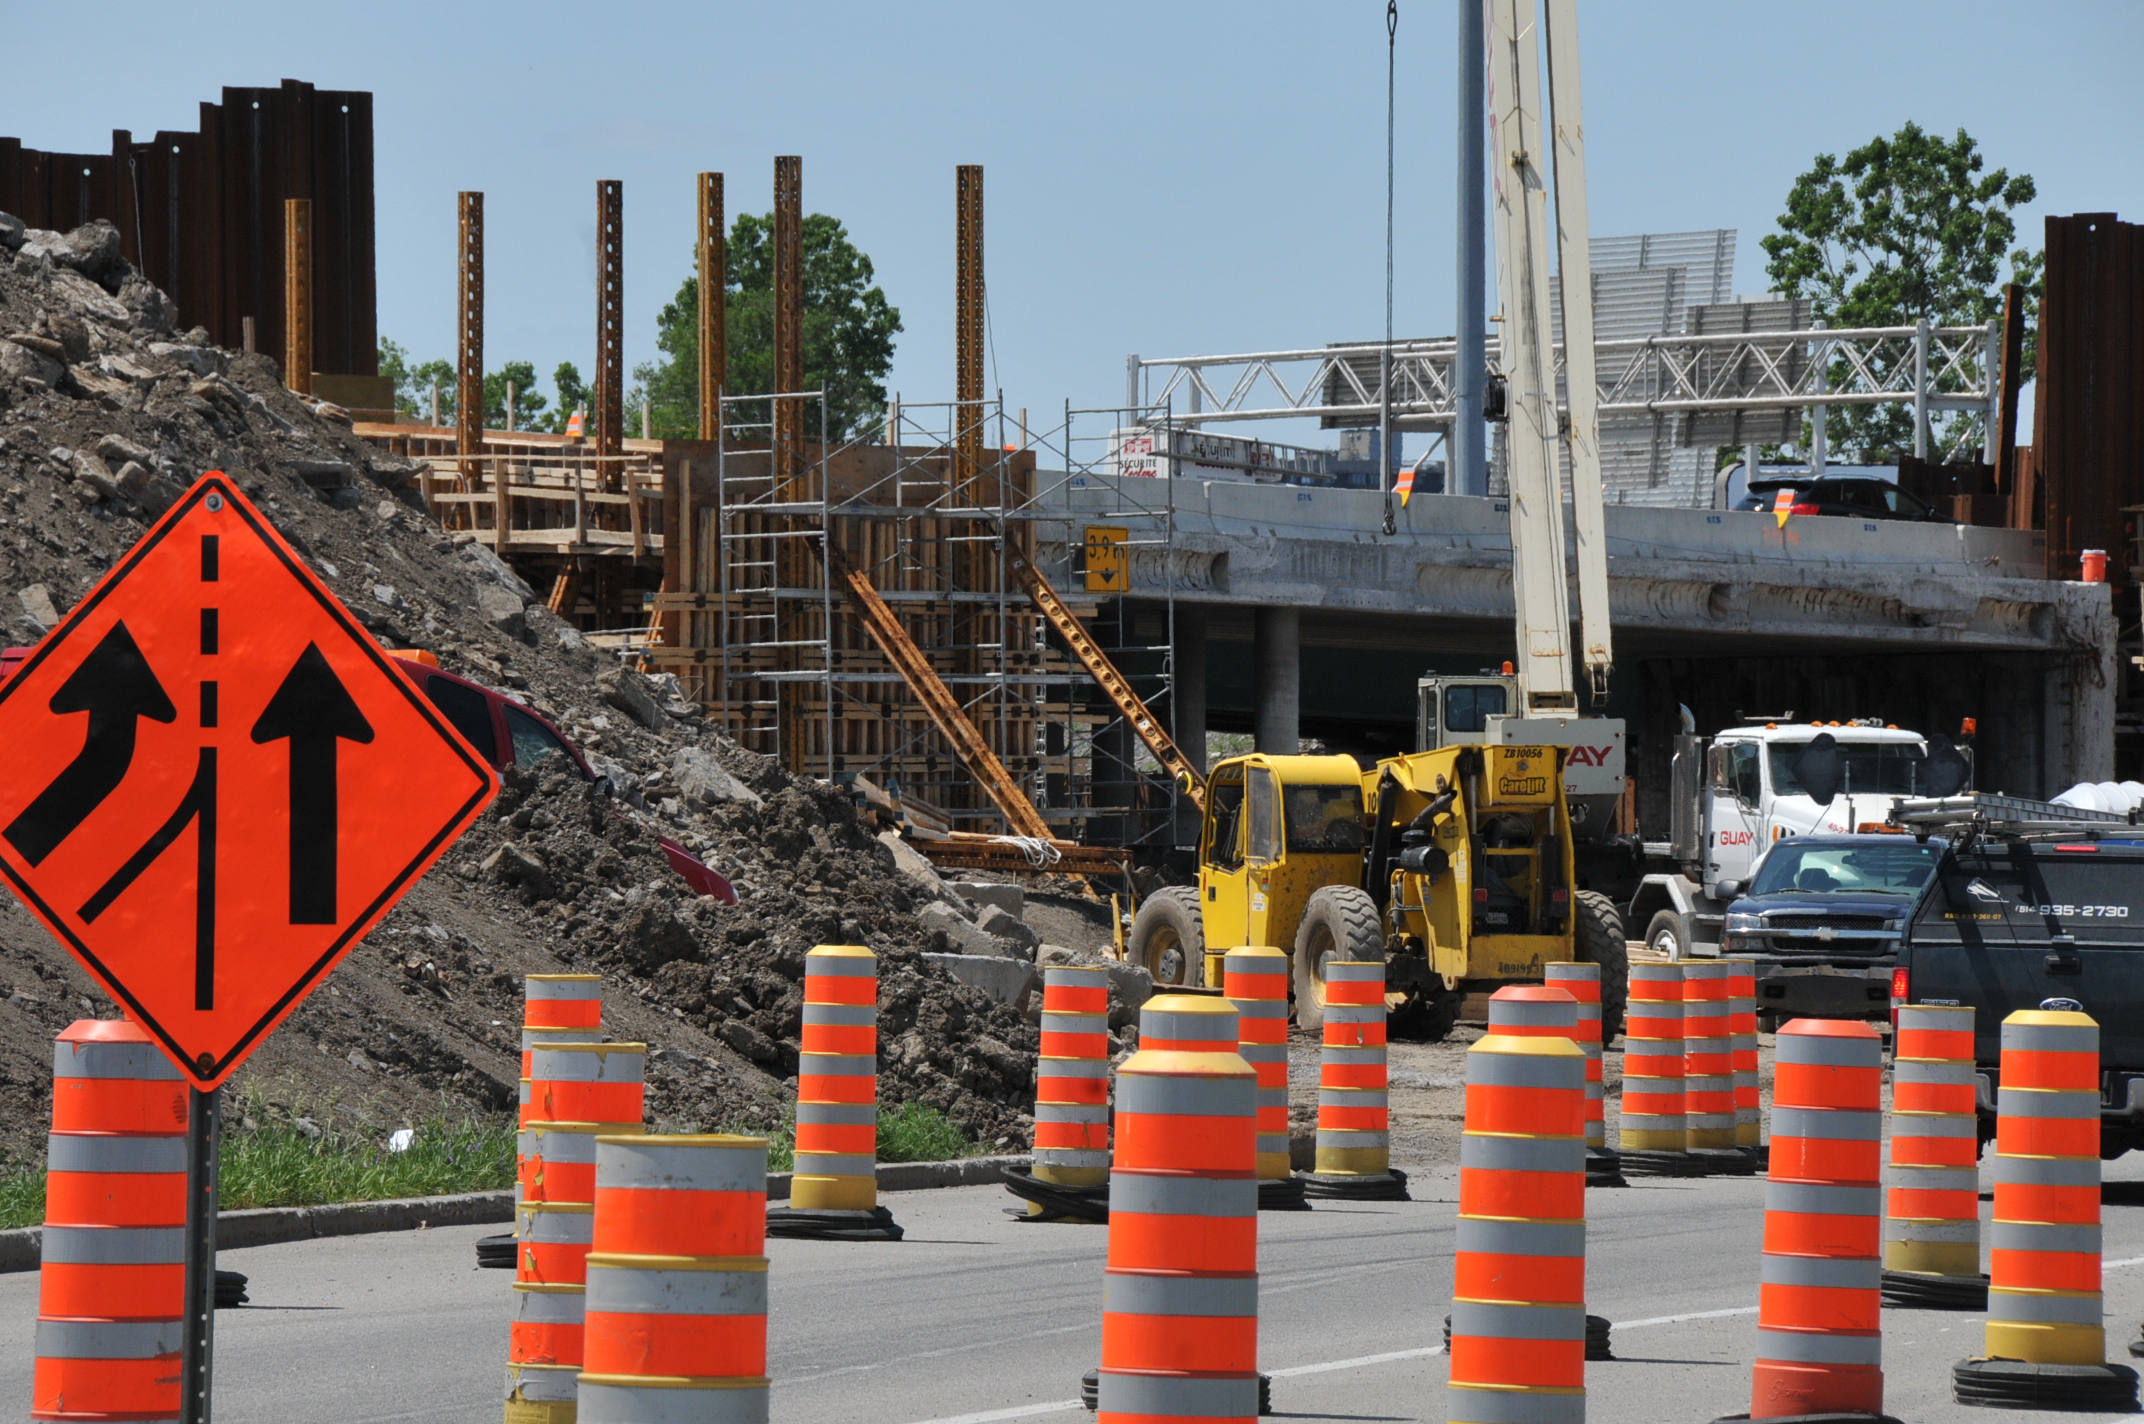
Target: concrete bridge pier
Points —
{"points": [[1277, 679]]}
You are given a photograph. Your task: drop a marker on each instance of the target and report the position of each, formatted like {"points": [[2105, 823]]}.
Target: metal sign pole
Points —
{"points": [[197, 1336]]}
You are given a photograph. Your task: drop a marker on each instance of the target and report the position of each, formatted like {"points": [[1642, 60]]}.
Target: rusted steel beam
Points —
{"points": [[610, 322], [789, 322], [298, 294], [2011, 377], [469, 348], [968, 325], [714, 304]]}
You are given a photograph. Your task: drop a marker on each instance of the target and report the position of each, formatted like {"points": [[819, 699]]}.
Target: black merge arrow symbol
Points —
{"points": [[115, 686], [314, 711]]}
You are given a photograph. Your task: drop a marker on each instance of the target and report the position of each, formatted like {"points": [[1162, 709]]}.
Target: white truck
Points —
{"points": [[1735, 794]]}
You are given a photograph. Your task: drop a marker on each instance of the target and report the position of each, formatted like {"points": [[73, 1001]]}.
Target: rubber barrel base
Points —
{"points": [[1812, 1419], [1604, 1168], [1392, 1186], [2136, 1349], [1725, 1161], [1090, 1392], [876, 1224], [2014, 1384], [1915, 1290], [496, 1253], [1058, 1201], [231, 1290], [1597, 1328], [1282, 1194], [1662, 1164]]}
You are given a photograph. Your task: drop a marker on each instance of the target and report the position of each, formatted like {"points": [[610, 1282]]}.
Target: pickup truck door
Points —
{"points": [[2062, 923], [1733, 817]]}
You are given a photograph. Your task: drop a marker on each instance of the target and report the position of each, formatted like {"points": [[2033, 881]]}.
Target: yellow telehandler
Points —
{"points": [[1452, 866]]}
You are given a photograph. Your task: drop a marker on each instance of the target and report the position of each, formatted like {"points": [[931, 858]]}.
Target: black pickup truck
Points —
{"points": [[2011, 922]]}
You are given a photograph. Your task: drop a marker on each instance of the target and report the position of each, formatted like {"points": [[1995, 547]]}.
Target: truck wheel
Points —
{"points": [[1668, 934], [1600, 941], [1339, 922], [1168, 938], [1428, 1016]]}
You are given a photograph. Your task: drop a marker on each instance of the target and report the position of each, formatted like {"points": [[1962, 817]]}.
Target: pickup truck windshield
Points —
{"points": [[1887, 869], [1893, 767]]}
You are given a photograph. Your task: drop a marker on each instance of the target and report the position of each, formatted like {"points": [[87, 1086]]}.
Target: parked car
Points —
{"points": [[1822, 915], [2012, 923], [1845, 498]]}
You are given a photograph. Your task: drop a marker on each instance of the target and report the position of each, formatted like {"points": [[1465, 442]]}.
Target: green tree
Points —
{"points": [[413, 389], [573, 395], [1902, 228], [848, 334], [528, 401]]}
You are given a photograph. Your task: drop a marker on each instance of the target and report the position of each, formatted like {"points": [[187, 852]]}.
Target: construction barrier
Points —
{"points": [[552, 1241], [587, 1082], [1931, 1226], [1819, 1332], [677, 1284], [562, 1001], [1654, 1141], [1518, 1326], [1255, 979], [835, 1186], [531, 1037], [2046, 1334], [111, 1288], [1070, 1180], [541, 1394], [1180, 1291], [1742, 1038], [1583, 983], [1354, 1152], [558, 1159], [1708, 1068]]}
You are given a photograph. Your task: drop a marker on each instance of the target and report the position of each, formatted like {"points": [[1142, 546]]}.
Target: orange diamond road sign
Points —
{"points": [[217, 782]]}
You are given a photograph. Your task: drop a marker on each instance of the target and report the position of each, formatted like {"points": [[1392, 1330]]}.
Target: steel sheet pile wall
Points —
{"points": [[2088, 425], [201, 214]]}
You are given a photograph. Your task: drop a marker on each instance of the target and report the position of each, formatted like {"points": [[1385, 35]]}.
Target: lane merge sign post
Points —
{"points": [[218, 782]]}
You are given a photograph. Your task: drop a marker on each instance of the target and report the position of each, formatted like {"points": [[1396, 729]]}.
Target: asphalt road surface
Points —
{"points": [[978, 1318]]}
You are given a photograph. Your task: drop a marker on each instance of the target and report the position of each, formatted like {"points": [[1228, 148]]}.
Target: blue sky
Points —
{"points": [[1161, 178]]}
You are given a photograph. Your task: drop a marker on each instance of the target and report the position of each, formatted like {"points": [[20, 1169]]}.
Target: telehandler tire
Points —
{"points": [[1600, 941], [1339, 922], [1168, 938]]}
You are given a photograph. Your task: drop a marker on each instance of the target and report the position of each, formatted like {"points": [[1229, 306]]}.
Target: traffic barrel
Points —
{"points": [[2045, 1332], [1070, 1180], [552, 1241], [1354, 1152], [1518, 1326], [1708, 1083], [587, 1082], [1742, 1033], [1180, 1289], [1654, 1141], [530, 1037], [111, 1288], [1255, 979], [1819, 1332], [677, 1284], [1931, 1225], [562, 1001], [835, 1185], [559, 1159], [541, 1394], [1583, 983]]}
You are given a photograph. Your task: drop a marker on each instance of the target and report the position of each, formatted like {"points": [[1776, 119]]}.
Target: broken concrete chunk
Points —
{"points": [[502, 610], [993, 920], [700, 778], [201, 360], [750, 1042], [911, 862], [628, 692], [1006, 981], [1130, 986], [1012, 899], [13, 231], [37, 603], [962, 936], [118, 450], [325, 474]]}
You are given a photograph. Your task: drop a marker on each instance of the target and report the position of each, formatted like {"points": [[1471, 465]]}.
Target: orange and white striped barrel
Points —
{"points": [[548, 1324], [677, 1284], [1708, 1068], [1819, 1335], [531, 1037], [111, 1288], [1742, 1038], [558, 1159], [1180, 1292], [1932, 1191], [1583, 983], [1534, 1011], [1354, 1117], [587, 1082], [552, 1241], [562, 1001], [541, 1394], [1072, 1079], [1652, 1115], [1255, 978], [837, 1083], [1518, 1342], [2044, 1303]]}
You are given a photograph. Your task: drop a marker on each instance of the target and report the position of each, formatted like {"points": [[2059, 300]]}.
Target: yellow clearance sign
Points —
{"points": [[1106, 571]]}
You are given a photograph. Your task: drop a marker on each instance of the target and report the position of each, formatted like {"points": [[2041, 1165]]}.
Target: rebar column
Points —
{"points": [[469, 348], [298, 294], [714, 304], [610, 323]]}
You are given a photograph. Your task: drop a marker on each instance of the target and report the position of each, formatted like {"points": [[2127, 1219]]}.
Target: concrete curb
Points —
{"points": [[269, 1226]]}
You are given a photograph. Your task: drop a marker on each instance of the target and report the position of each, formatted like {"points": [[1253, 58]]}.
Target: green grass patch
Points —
{"points": [[909, 1133], [22, 1194]]}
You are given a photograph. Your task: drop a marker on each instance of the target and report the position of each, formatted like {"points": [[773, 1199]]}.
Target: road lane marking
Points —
{"points": [[991, 1416], [1318, 1369], [1679, 1319]]}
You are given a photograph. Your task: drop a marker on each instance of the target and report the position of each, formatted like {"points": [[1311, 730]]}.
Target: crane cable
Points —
{"points": [[1384, 434]]}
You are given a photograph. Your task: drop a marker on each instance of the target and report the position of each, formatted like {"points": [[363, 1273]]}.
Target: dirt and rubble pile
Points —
{"points": [[108, 413]]}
